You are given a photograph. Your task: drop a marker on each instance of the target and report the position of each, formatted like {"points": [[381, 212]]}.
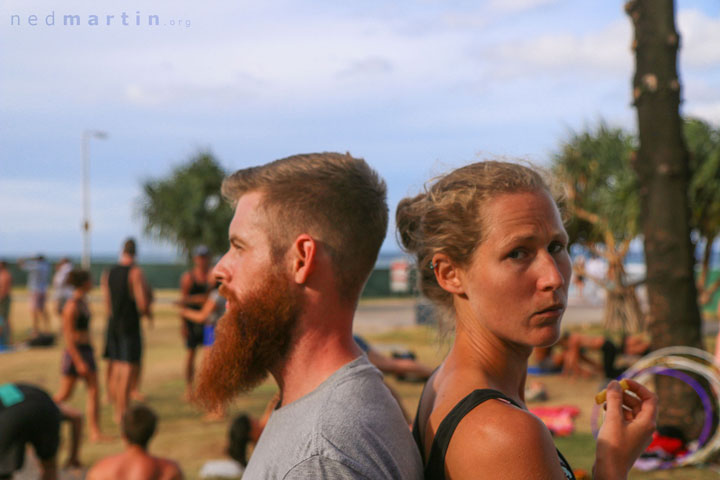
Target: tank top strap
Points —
{"points": [[436, 460]]}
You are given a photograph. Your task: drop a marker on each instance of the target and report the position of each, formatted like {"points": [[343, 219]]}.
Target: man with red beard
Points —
{"points": [[305, 235]]}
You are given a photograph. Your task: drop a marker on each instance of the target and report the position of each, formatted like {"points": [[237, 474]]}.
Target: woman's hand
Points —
{"points": [[626, 432]]}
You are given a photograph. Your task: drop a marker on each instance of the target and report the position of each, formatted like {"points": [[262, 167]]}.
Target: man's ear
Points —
{"points": [[303, 251], [447, 274]]}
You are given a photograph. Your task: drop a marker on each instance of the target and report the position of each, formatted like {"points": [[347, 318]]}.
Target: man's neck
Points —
{"points": [[315, 356], [134, 450], [126, 259]]}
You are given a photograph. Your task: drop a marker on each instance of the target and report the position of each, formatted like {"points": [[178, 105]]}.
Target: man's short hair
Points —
{"points": [[138, 424], [337, 199], [129, 247]]}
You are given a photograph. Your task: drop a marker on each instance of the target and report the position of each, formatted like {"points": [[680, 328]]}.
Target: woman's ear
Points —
{"points": [[447, 274]]}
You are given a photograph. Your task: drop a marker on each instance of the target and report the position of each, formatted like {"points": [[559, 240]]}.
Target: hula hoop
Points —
{"points": [[673, 366], [707, 407], [694, 353]]}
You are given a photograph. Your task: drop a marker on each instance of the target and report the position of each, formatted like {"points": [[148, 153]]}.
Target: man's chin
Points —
{"points": [[253, 336]]}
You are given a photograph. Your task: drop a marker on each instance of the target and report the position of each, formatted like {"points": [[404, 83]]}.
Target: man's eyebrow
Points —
{"points": [[234, 238]]}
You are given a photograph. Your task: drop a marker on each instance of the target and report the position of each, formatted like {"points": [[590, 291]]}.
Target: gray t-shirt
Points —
{"points": [[349, 427]]}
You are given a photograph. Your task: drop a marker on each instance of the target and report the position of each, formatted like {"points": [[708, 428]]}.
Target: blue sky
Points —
{"points": [[415, 87]]}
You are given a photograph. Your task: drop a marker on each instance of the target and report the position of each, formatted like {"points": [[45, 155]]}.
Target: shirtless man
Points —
{"points": [[135, 463], [194, 289]]}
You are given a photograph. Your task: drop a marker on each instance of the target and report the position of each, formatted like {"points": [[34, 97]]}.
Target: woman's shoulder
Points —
{"points": [[497, 434], [71, 306]]}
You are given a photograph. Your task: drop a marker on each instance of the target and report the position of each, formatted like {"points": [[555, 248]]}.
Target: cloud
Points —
{"points": [[515, 6], [370, 66], [404, 83], [709, 111], [700, 37], [54, 205], [606, 50]]}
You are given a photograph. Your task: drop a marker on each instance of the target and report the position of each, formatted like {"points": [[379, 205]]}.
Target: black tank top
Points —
{"points": [[435, 466], [125, 318], [197, 288], [82, 320]]}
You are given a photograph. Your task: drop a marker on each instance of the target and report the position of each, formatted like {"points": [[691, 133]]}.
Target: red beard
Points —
{"points": [[254, 335]]}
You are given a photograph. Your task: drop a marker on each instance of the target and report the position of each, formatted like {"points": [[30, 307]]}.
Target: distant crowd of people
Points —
{"points": [[491, 253]]}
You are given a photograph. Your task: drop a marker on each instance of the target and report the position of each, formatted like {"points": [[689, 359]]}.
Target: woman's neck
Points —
{"points": [[482, 358]]}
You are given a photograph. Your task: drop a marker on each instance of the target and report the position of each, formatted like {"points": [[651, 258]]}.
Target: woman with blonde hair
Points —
{"points": [[492, 255]]}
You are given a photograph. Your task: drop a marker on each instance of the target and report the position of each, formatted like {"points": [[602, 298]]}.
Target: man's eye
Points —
{"points": [[556, 247], [517, 254]]}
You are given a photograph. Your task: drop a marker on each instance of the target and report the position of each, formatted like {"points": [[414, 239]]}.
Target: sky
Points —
{"points": [[414, 87]]}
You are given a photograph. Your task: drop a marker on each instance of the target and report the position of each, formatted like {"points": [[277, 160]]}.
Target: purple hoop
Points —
{"points": [[701, 392]]}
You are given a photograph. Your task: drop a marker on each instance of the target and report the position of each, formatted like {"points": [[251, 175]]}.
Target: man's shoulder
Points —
{"points": [[135, 269], [359, 402], [349, 427], [170, 469], [105, 468], [357, 383]]}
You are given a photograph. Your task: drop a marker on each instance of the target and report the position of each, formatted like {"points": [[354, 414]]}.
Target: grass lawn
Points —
{"points": [[183, 434]]}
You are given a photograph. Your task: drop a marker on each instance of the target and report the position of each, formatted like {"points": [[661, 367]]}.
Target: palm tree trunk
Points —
{"points": [[662, 168]]}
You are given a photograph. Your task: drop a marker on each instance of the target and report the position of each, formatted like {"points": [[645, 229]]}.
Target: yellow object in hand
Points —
{"points": [[600, 397]]}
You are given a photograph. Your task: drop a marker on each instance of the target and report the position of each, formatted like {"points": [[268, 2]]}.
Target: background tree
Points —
{"points": [[703, 142], [185, 208], [602, 199], [662, 167]]}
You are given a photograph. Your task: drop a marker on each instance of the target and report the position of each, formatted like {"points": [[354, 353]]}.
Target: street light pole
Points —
{"points": [[86, 135]]}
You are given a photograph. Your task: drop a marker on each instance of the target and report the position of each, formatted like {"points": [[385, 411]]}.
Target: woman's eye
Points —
{"points": [[517, 254]]}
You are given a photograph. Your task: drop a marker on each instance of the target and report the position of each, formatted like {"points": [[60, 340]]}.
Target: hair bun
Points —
{"points": [[408, 219]]}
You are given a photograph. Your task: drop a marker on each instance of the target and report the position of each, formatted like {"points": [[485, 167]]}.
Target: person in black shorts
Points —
{"points": [[492, 255], [127, 299], [79, 358], [28, 415], [195, 286]]}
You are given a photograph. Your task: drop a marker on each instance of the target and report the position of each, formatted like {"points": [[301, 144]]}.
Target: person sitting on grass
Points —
{"points": [[240, 433], [401, 364], [135, 463], [553, 359], [577, 344], [79, 358]]}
